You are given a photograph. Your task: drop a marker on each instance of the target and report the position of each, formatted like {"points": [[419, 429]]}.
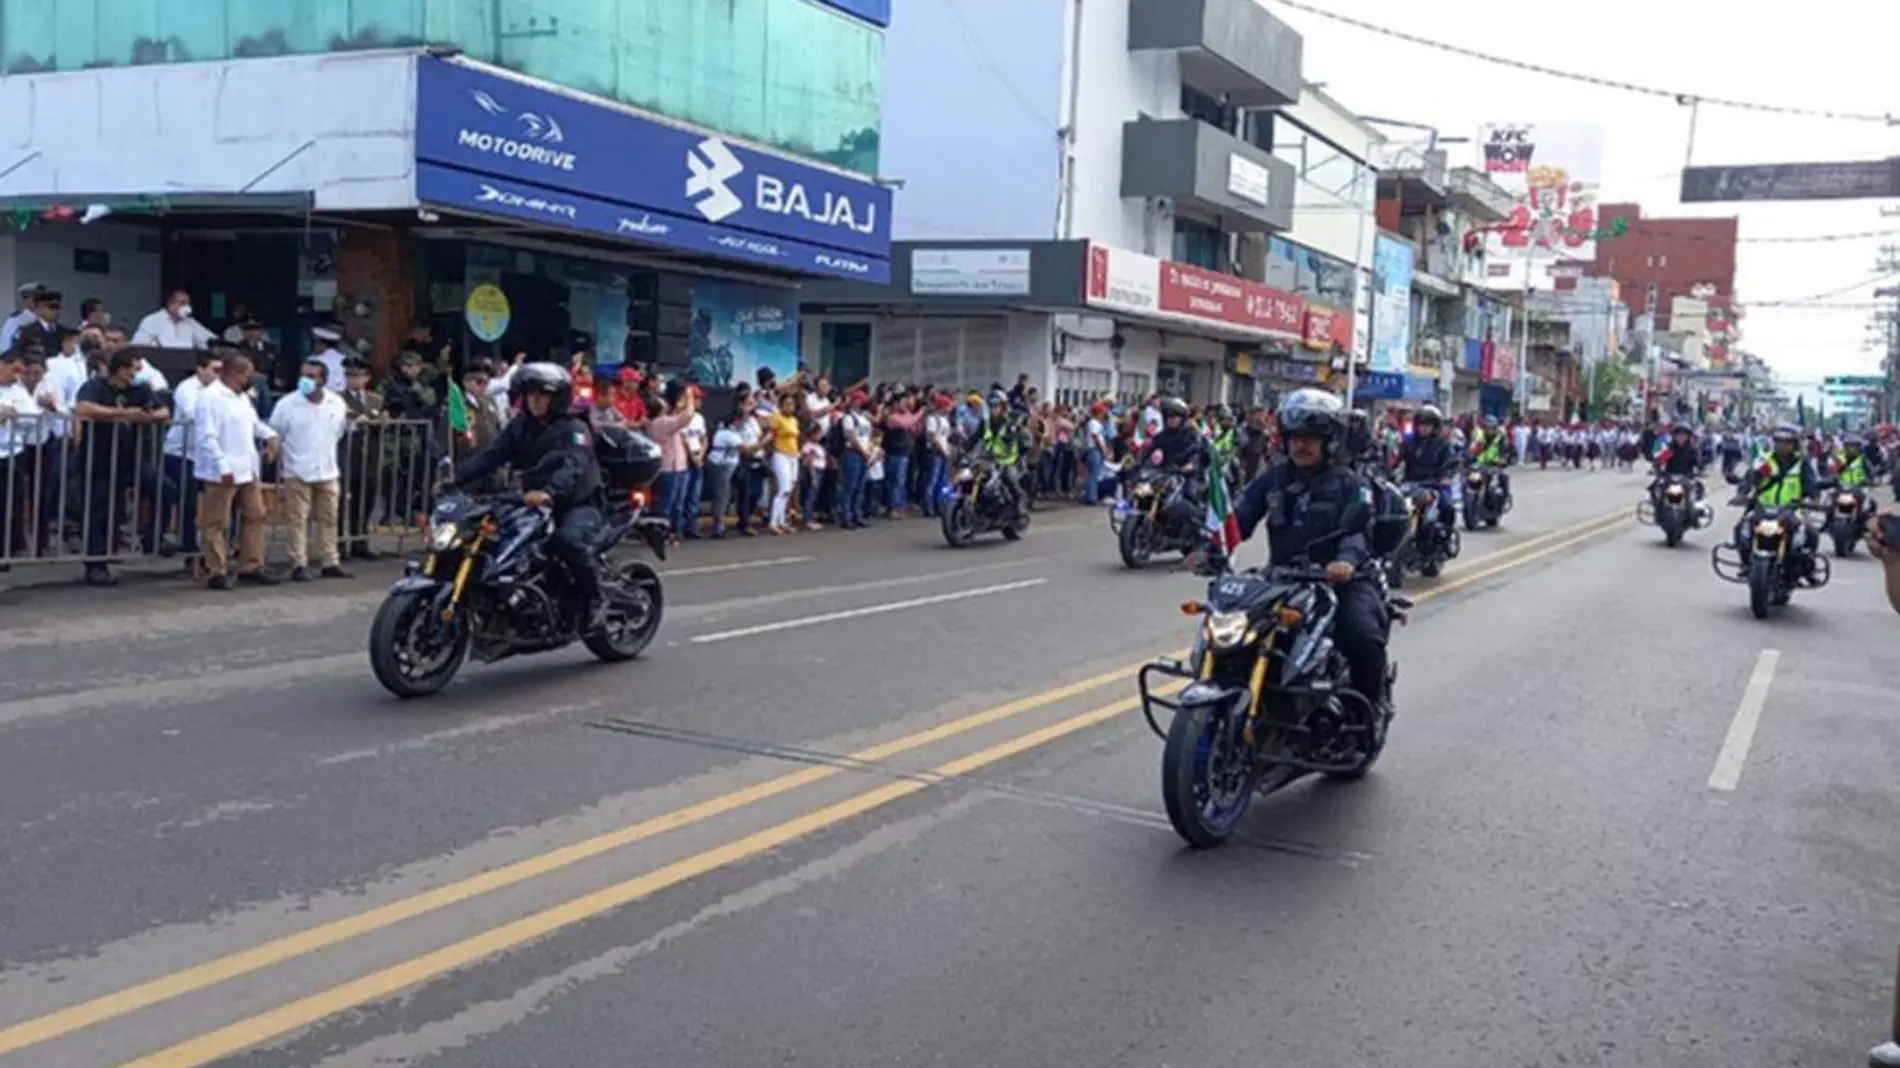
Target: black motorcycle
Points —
{"points": [[1486, 502], [1156, 516], [976, 502], [1773, 559], [1674, 509], [1847, 515], [1269, 700], [1429, 543]]}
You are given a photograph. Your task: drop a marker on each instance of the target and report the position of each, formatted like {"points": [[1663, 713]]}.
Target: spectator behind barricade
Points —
{"points": [[784, 430], [665, 429], [24, 314], [326, 347], [19, 419], [172, 326], [902, 424], [365, 408], [1887, 553], [41, 462], [937, 453], [227, 463], [628, 406], [722, 462], [815, 458], [755, 469], [264, 356], [94, 313], [695, 438], [311, 425], [180, 447], [118, 442], [485, 419]]}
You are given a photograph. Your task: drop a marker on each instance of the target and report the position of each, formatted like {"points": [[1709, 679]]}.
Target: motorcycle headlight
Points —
{"points": [[1771, 528], [1675, 491], [1475, 478], [1144, 490], [443, 536], [963, 474], [1226, 629]]}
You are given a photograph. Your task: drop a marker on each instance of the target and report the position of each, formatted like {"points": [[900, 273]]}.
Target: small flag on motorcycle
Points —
{"points": [[1221, 525]]}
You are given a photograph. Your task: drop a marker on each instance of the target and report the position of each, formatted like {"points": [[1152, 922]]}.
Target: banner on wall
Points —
{"points": [[739, 328], [1392, 261], [1553, 173]]}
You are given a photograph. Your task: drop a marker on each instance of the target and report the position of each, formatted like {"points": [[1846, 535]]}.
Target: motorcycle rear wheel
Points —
{"points": [[392, 654], [1187, 762], [632, 625]]}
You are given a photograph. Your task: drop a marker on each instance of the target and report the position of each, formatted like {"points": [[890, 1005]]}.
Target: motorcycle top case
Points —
{"points": [[629, 460], [1391, 517]]}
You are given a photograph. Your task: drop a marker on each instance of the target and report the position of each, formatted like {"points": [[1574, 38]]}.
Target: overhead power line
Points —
{"points": [[1589, 79]]}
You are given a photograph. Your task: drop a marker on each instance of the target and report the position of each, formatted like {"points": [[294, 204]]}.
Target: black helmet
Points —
{"points": [[549, 378], [1357, 419], [1313, 413], [1172, 406], [1786, 433], [1429, 414], [1682, 428], [999, 399]]}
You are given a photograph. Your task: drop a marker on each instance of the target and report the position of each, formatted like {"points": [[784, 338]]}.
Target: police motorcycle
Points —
{"points": [[975, 501], [1486, 502], [489, 587], [1773, 555], [1674, 509], [1269, 697], [1847, 509], [1429, 542], [1158, 514]]}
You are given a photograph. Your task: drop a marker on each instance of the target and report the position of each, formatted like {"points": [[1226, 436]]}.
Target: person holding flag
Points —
{"points": [[1316, 509]]}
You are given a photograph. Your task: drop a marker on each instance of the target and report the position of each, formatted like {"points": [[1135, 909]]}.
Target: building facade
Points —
{"points": [[1116, 199], [1655, 261], [648, 179]]}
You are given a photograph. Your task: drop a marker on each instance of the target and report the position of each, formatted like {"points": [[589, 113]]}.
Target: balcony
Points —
{"points": [[1209, 172], [1230, 48], [1416, 178], [1480, 198]]}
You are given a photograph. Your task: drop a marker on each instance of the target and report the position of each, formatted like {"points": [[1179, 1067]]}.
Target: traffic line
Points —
{"points": [[866, 610], [743, 565], [173, 985], [380, 984], [1741, 731]]}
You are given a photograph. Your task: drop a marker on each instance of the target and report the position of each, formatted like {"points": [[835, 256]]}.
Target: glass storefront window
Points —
{"points": [[794, 74], [1322, 164], [1313, 275], [1198, 243]]}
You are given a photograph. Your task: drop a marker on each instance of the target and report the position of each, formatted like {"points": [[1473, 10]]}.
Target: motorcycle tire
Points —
{"points": [[1672, 530], [1844, 539], [1136, 541], [388, 632], [956, 530], [1474, 516], [1761, 586], [1015, 528], [612, 647], [1183, 760], [1431, 568]]}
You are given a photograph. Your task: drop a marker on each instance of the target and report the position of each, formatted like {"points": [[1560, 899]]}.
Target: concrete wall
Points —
{"points": [[341, 125], [972, 100], [130, 288]]}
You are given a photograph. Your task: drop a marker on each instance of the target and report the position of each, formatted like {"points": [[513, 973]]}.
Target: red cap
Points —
{"points": [[946, 401], [630, 376], [857, 397]]}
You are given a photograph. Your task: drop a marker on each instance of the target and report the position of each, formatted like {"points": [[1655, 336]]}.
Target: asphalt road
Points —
{"points": [[872, 801]]}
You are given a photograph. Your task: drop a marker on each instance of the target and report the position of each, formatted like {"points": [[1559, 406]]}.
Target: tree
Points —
{"points": [[1612, 384]]}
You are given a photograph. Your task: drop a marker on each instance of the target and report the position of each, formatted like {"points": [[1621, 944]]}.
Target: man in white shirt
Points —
{"points": [[310, 426], [172, 327], [227, 464], [25, 315], [181, 443]]}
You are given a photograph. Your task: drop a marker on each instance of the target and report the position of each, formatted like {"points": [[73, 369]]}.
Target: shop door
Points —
{"points": [[540, 324]]}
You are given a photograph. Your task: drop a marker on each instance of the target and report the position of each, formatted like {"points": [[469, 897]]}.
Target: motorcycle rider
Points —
{"points": [[552, 449], [1362, 446], [1427, 459], [1783, 479], [1004, 442], [1307, 501], [1182, 448], [1679, 456]]}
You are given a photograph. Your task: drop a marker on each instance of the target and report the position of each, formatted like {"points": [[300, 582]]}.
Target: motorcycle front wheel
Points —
{"points": [[1761, 585], [1207, 783], [633, 615], [956, 523], [1136, 541], [412, 652]]}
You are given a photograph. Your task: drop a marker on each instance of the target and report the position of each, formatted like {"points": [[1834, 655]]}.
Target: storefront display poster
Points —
{"points": [[739, 328]]}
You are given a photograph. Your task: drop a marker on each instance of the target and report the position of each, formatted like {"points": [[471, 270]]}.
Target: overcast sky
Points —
{"points": [[1833, 54]]}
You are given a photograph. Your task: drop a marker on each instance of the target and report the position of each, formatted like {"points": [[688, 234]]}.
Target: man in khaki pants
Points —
{"points": [[227, 464], [310, 425]]}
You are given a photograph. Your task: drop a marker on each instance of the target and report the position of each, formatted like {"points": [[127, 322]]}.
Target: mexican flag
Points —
{"points": [[1221, 526], [458, 410]]}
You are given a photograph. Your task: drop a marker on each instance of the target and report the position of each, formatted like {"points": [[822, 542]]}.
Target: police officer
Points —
{"points": [[1004, 442], [1427, 459], [553, 451], [1783, 479], [1316, 508], [1679, 457], [1182, 448], [1361, 446]]}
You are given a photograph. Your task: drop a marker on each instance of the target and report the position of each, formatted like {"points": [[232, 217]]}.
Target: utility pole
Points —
{"points": [[1886, 335]]}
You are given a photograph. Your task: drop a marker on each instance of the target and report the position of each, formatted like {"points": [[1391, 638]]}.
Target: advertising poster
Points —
{"points": [[739, 328], [487, 312], [1391, 304], [1554, 173]]}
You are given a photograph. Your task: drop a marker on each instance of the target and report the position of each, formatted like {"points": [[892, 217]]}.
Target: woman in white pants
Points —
{"points": [[785, 443]]}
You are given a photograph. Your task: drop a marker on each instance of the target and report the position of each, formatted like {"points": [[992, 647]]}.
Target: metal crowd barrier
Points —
{"points": [[80, 491]]}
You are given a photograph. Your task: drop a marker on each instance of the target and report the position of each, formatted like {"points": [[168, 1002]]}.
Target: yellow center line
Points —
{"points": [[243, 962]]}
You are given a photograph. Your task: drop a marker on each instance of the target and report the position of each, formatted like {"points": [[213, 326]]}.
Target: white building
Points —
{"points": [[1115, 197]]}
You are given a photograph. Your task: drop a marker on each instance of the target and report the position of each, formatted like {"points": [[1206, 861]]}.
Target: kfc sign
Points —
{"points": [[1508, 150]]}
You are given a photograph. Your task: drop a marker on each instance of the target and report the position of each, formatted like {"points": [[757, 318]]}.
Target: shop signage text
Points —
{"points": [[1223, 298], [569, 149], [974, 272]]}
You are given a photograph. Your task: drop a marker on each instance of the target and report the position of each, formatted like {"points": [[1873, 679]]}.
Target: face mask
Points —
{"points": [[306, 386], [184, 311], [105, 318]]}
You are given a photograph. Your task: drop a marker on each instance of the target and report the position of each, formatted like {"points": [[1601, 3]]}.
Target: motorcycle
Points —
{"points": [[1674, 509], [489, 586], [1846, 514], [1485, 500], [1269, 700], [1156, 516], [975, 501], [1773, 565], [1428, 543]]}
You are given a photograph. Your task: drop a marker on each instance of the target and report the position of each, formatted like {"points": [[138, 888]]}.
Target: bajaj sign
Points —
{"points": [[712, 168]]}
